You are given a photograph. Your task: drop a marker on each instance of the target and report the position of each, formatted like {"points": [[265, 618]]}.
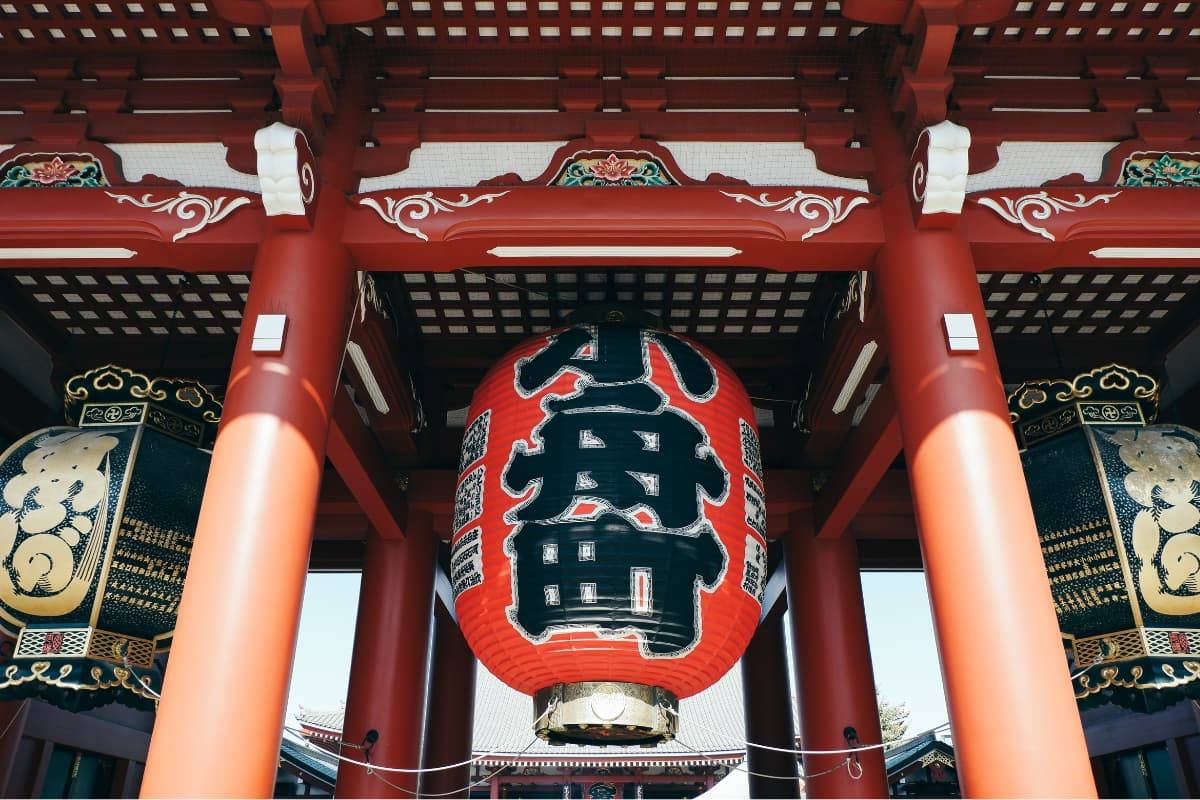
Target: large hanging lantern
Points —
{"points": [[609, 552], [96, 526], [1117, 503]]}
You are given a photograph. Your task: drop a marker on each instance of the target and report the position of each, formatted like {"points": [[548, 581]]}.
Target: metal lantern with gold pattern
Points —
{"points": [[1117, 503], [96, 526]]}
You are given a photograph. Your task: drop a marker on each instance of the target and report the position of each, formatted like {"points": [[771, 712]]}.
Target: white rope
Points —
{"points": [[456, 792], [381, 768], [838, 752], [368, 765], [1094, 664], [741, 768], [145, 683]]}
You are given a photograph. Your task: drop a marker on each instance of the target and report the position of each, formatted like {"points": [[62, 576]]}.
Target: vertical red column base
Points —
{"points": [[450, 710], [388, 671], [241, 602], [768, 712], [834, 679]]}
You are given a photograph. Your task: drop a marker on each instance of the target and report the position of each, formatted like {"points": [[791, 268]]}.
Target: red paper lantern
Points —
{"points": [[609, 548]]}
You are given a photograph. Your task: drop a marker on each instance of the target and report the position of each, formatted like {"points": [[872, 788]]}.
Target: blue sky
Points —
{"points": [[898, 622]]}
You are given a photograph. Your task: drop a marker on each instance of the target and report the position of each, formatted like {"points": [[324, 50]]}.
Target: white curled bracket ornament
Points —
{"points": [[416, 207], [830, 210], [286, 171], [938, 175], [187, 206], [1029, 209]]}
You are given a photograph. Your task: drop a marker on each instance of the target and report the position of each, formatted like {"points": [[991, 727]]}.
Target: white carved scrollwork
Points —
{"points": [[1028, 209], [187, 206], [285, 170], [416, 207], [809, 206], [939, 182]]}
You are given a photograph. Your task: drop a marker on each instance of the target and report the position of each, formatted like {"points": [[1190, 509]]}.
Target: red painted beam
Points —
{"points": [[768, 234], [225, 225], [359, 460], [1021, 230], [865, 460]]}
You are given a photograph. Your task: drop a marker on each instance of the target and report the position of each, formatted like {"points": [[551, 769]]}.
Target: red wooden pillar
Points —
{"points": [[220, 720], [1002, 658], [768, 711], [450, 711], [834, 681], [219, 723], [388, 669], [1005, 673]]}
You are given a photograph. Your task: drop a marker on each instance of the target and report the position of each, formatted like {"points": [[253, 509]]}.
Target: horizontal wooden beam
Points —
{"points": [[850, 356], [360, 462], [760, 229], [866, 457], [681, 226]]}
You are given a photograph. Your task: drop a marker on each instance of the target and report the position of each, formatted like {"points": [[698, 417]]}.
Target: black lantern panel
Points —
{"points": [[1117, 503], [96, 525]]}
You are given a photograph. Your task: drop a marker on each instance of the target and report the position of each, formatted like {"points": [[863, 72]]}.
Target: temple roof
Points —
{"points": [[308, 761], [503, 718], [898, 758]]}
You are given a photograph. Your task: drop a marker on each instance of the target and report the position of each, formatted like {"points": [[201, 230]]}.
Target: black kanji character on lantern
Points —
{"points": [[615, 354], [605, 574], [614, 535], [659, 461]]}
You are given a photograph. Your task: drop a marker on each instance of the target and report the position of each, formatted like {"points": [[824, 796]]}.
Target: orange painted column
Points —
{"points": [[1002, 658], [388, 672], [450, 710], [220, 719], [218, 726], [834, 680], [767, 708]]}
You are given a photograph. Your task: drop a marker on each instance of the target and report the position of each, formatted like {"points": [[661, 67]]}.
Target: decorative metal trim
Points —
{"points": [[1170, 677], [187, 206], [1039, 206], [1109, 395], [808, 206], [1134, 643], [936, 757], [417, 207], [48, 642], [113, 395], [72, 676]]}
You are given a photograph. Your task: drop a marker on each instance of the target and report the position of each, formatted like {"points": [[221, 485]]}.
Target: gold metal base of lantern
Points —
{"points": [[605, 712]]}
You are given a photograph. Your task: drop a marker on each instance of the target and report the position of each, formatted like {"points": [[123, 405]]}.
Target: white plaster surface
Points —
{"points": [[194, 164], [1029, 164], [466, 164], [758, 163]]}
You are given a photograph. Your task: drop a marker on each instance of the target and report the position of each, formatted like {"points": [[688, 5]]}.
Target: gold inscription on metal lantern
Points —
{"points": [[1164, 479], [54, 534]]}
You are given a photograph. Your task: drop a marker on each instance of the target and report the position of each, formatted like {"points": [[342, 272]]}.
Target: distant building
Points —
{"points": [[512, 762]]}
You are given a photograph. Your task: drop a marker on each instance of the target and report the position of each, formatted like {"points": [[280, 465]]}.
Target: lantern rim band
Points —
{"points": [[605, 712]]}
